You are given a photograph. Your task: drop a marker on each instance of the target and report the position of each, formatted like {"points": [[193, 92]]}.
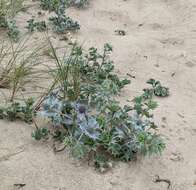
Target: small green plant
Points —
{"points": [[40, 133], [50, 5], [157, 89], [77, 3], [18, 111], [39, 26], [61, 22], [12, 31], [11, 28]]}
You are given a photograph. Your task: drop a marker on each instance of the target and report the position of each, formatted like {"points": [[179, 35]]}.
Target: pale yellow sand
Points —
{"points": [[160, 43]]}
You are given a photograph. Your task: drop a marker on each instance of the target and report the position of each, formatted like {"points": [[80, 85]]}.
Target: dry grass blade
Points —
{"points": [[19, 66], [10, 7]]}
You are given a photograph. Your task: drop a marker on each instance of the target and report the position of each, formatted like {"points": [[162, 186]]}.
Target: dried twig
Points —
{"points": [[19, 185], [57, 150], [158, 180]]}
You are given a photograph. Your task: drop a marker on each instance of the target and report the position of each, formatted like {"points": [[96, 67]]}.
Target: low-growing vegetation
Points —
{"points": [[13, 31], [11, 28], [78, 3], [86, 116], [157, 89], [82, 102], [18, 111], [40, 26], [52, 5], [8, 9], [61, 22]]}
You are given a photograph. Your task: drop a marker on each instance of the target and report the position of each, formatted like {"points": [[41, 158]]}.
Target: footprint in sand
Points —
{"points": [[190, 64], [176, 157], [172, 41]]}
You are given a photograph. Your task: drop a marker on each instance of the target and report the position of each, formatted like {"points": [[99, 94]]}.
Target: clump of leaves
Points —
{"points": [[8, 9], [78, 3], [18, 111], [13, 31], [61, 22], [157, 89], [39, 26], [50, 5], [82, 105], [40, 133], [100, 81], [11, 28]]}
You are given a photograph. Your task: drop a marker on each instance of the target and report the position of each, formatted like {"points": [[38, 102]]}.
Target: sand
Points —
{"points": [[160, 43]]}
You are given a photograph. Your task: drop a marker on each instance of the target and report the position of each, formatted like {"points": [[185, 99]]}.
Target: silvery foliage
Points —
{"points": [[72, 115]]}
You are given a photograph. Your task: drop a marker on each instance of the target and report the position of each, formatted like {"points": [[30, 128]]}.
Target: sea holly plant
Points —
{"points": [[11, 28], [61, 22], [13, 31], [39, 26], [77, 3], [8, 9], [82, 107], [50, 5], [72, 115]]}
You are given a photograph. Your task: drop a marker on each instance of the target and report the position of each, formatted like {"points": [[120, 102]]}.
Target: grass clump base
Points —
{"points": [[18, 67]]}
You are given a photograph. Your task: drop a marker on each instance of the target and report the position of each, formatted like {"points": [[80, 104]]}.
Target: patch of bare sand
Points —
{"points": [[160, 42]]}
